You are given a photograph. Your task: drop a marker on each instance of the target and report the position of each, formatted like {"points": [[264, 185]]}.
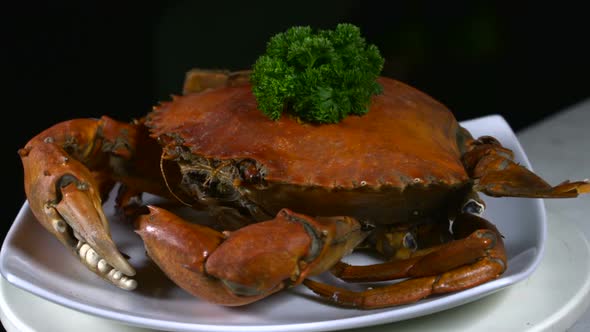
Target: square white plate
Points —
{"points": [[34, 261]]}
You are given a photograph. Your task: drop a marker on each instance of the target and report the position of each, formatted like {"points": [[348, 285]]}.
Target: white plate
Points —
{"points": [[33, 260]]}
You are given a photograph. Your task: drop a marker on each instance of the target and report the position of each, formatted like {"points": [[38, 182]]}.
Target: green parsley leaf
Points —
{"points": [[320, 77]]}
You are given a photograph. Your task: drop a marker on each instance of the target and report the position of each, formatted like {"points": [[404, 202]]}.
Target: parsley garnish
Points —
{"points": [[320, 77]]}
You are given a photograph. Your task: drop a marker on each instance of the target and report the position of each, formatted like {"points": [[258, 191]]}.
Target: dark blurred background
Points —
{"points": [[523, 60]]}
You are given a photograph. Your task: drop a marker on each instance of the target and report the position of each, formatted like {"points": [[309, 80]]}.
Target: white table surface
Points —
{"points": [[555, 297], [559, 148]]}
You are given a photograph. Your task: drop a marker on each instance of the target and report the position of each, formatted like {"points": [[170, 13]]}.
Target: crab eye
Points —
{"points": [[473, 207], [410, 242], [366, 226]]}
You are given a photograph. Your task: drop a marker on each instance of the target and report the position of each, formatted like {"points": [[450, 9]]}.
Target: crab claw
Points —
{"points": [[94, 247], [65, 197], [251, 263]]}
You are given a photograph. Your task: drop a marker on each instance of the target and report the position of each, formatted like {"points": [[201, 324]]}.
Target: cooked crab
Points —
{"points": [[292, 199]]}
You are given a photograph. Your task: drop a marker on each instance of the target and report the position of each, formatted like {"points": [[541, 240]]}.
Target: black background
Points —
{"points": [[523, 60]]}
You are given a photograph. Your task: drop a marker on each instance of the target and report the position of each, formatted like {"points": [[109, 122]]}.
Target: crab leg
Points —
{"points": [[68, 173], [497, 174], [240, 267], [464, 263]]}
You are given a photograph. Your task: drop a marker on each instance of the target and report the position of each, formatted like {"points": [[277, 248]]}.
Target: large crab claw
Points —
{"points": [[252, 262], [67, 172]]}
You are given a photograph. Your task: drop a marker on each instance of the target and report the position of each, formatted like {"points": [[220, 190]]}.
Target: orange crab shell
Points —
{"points": [[406, 138]]}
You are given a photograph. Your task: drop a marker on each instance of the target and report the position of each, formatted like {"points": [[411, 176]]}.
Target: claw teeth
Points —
{"points": [[103, 266], [129, 284], [59, 225], [116, 274], [83, 250], [91, 258]]}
